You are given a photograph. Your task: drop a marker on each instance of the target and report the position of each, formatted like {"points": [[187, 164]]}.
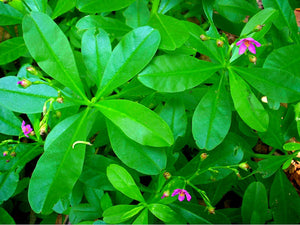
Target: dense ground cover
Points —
{"points": [[149, 112]]}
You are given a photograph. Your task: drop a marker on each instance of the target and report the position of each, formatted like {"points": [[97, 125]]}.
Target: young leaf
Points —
{"points": [[284, 200], [17, 99], [137, 14], [212, 118], [247, 105], [96, 6], [96, 50], [255, 204], [9, 15], [51, 49], [120, 213], [291, 146], [137, 122], [128, 58], [123, 182], [11, 50], [9, 123], [53, 176], [175, 73], [173, 32], [145, 159]]}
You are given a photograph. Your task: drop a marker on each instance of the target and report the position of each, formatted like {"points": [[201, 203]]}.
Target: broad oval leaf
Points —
{"points": [[138, 122], [137, 14], [53, 176], [123, 182], [212, 118], [96, 6], [9, 123], [166, 214], [12, 49], [274, 83], [9, 15], [145, 159], [255, 204], [51, 49], [175, 73], [247, 105], [128, 58], [24, 100]]}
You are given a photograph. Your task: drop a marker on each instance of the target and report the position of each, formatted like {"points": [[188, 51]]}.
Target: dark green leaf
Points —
{"points": [[5, 218], [166, 5], [62, 7], [120, 213], [83, 212], [9, 15], [96, 6], [137, 14], [12, 49], [9, 123]]}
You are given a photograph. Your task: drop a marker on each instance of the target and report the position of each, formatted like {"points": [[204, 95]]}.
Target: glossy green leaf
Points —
{"points": [[129, 57], [249, 108], [9, 15], [268, 167], [112, 26], [284, 200], [175, 73], [274, 83], [291, 146], [5, 218], [123, 182], [145, 159], [137, 14], [53, 176], [9, 123], [166, 5], [62, 7], [173, 32], [51, 50], [137, 122], [212, 117], [96, 6], [16, 98], [10, 178], [285, 58], [96, 50], [36, 6], [120, 213], [142, 218], [166, 214], [255, 204], [12, 49]]}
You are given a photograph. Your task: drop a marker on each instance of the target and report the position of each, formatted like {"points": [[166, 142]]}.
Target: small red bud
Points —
{"points": [[24, 83], [5, 153]]}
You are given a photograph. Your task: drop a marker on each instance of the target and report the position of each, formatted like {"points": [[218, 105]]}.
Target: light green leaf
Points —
{"points": [[9, 15], [123, 182], [173, 32], [247, 105], [142, 218], [291, 146], [24, 100], [137, 14], [9, 123], [137, 122], [51, 49], [120, 213], [96, 6], [175, 73], [11, 50], [166, 214]]}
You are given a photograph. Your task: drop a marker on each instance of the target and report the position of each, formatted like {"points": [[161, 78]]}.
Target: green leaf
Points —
{"points": [[285, 58], [36, 6], [123, 182], [212, 117], [142, 218], [291, 146], [93, 196], [284, 200], [11, 50], [9, 15], [173, 32], [62, 7], [255, 204], [286, 16], [51, 49], [166, 214], [114, 27], [145, 159], [137, 14], [5, 218], [96, 50], [9, 123], [268, 167], [175, 73], [10, 178], [17, 99], [166, 5], [83, 212], [137, 122], [120, 213], [96, 6], [53, 176], [249, 108], [274, 83]]}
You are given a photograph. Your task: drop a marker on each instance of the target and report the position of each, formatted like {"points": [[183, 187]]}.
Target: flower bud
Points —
{"points": [[166, 194], [24, 83], [203, 156], [220, 43], [238, 175], [58, 114], [203, 37], [258, 27], [244, 166], [13, 154], [7, 160], [167, 175], [32, 133], [252, 59], [5, 153], [211, 209], [43, 129], [32, 70], [60, 100]]}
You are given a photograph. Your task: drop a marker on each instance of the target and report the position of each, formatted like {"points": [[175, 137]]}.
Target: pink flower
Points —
{"points": [[182, 193], [24, 83], [26, 129], [247, 43]]}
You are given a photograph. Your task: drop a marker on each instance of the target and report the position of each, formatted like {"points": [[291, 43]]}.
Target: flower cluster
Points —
{"points": [[26, 129]]}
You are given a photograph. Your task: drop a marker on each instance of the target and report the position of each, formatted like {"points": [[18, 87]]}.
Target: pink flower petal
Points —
{"points": [[242, 49], [188, 196], [256, 43], [240, 42], [181, 197], [176, 192], [252, 48]]}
